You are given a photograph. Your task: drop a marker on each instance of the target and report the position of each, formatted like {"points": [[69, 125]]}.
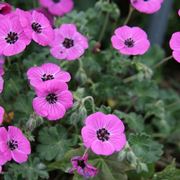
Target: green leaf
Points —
{"points": [[54, 143], [134, 121], [169, 173], [145, 148], [110, 169], [32, 170]]}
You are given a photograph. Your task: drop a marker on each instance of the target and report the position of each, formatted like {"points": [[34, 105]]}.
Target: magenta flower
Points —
{"points": [[14, 145], [53, 99], [46, 13], [179, 12], [104, 134], [130, 40], [147, 6], [12, 37], [83, 168], [58, 7], [3, 158], [175, 46], [1, 65], [5, 8], [68, 43], [1, 114], [36, 26], [1, 84], [46, 72]]}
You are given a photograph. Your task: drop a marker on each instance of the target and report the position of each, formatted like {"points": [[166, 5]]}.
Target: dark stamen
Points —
{"points": [[36, 27], [129, 42], [56, 1], [102, 134], [51, 98], [46, 77], [12, 145], [11, 38], [81, 164], [68, 43]]}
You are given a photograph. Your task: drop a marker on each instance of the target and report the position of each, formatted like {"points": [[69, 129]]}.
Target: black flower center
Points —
{"points": [[56, 1], [11, 38], [129, 43], [81, 164], [68, 43], [12, 144], [51, 98], [103, 134], [36, 27], [46, 77]]}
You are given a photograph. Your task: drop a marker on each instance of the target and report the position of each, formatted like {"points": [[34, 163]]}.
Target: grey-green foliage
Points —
{"points": [[103, 80]]}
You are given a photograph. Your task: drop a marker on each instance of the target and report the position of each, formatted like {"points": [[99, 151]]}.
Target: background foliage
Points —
{"points": [[144, 97]]}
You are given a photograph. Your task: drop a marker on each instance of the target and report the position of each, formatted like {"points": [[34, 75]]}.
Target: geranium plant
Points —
{"points": [[83, 95]]}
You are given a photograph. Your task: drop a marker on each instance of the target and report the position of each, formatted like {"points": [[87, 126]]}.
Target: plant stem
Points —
{"points": [[104, 28], [131, 9], [129, 79], [163, 61], [85, 152]]}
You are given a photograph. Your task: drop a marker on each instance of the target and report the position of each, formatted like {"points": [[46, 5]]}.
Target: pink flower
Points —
{"points": [[12, 37], [14, 145], [58, 7], [179, 12], [47, 72], [83, 168], [1, 65], [1, 84], [3, 157], [53, 99], [104, 134], [175, 46], [68, 43], [1, 114], [46, 13], [5, 8], [36, 26], [130, 40], [147, 6]]}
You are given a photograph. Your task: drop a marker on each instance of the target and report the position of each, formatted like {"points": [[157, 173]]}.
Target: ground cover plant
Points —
{"points": [[84, 93]]}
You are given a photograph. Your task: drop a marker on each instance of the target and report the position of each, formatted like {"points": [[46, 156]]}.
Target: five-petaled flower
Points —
{"points": [[36, 26], [13, 40], [175, 46], [47, 72], [104, 134], [5, 8], [14, 145], [1, 114], [147, 6], [81, 165], [68, 43], [58, 7], [130, 40], [53, 99]]}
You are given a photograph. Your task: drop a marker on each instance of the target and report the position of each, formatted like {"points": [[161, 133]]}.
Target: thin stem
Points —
{"points": [[85, 152], [131, 9], [80, 64], [163, 61], [104, 28], [93, 103], [129, 79], [173, 104]]}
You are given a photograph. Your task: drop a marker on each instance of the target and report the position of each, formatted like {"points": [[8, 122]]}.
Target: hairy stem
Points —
{"points": [[131, 9], [163, 61]]}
